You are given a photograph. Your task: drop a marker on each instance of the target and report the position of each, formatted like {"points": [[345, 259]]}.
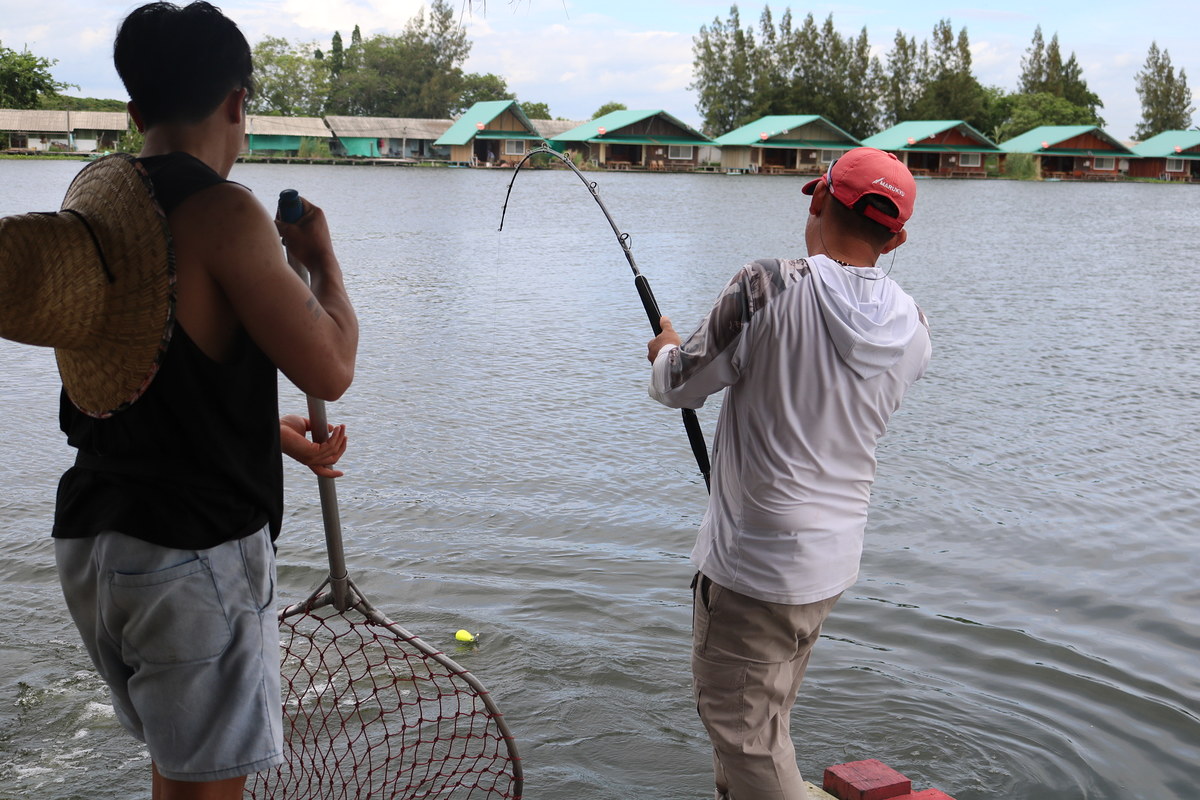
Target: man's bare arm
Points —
{"points": [[310, 334]]}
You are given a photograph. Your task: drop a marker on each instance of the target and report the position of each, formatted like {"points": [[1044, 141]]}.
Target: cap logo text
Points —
{"points": [[888, 186]]}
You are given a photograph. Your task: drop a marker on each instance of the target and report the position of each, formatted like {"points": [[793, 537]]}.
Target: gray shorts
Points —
{"points": [[188, 642]]}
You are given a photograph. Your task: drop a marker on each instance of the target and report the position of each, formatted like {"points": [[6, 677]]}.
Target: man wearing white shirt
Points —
{"points": [[814, 354]]}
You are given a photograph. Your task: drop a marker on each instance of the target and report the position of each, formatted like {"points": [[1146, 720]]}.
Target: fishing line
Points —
{"points": [[690, 423]]}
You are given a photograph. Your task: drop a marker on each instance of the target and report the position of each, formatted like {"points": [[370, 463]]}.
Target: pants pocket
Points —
{"points": [[169, 616]]}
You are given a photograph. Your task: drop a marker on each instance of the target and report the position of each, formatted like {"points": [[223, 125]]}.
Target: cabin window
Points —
{"points": [[969, 159], [1174, 165], [680, 152], [514, 147], [829, 156], [1105, 163]]}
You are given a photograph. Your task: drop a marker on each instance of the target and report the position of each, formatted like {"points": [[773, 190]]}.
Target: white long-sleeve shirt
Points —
{"points": [[814, 358]]}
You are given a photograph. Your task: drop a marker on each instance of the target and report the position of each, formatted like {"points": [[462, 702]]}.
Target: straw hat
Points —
{"points": [[95, 281]]}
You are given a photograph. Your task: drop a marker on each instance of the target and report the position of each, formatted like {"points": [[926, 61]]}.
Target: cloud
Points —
{"points": [[577, 65], [318, 19], [996, 63]]}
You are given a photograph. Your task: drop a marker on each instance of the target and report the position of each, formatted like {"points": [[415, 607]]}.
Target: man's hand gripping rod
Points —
{"points": [[690, 423]]}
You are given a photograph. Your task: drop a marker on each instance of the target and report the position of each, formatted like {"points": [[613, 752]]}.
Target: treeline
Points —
{"points": [[741, 73], [26, 82], [416, 74], [25, 79]]}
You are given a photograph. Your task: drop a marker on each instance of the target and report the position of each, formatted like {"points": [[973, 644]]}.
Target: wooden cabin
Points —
{"points": [[96, 131], [490, 133], [1073, 152], [45, 131], [389, 137], [282, 135], [647, 140], [798, 144], [1169, 156], [549, 128], [937, 148]]}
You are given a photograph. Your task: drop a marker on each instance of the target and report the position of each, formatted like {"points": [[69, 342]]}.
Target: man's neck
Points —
{"points": [[203, 141], [849, 251]]}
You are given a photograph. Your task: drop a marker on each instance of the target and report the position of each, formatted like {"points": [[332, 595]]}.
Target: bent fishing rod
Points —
{"points": [[690, 423]]}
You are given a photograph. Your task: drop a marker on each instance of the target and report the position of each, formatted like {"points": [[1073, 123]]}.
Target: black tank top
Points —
{"points": [[195, 462]]}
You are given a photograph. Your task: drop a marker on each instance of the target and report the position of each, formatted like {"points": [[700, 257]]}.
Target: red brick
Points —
{"points": [[866, 780], [925, 794]]}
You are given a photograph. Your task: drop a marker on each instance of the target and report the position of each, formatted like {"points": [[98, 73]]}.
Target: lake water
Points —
{"points": [[1026, 625]]}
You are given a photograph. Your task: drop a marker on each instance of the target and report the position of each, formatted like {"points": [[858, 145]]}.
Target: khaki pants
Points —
{"points": [[748, 659]]}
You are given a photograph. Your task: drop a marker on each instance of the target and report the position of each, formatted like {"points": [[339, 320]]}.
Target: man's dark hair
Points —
{"points": [[858, 224], [179, 63]]}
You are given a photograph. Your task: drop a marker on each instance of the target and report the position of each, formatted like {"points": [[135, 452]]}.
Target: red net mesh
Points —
{"points": [[370, 711]]}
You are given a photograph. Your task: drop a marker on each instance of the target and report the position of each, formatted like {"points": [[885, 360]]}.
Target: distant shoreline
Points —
{"points": [[360, 161]]}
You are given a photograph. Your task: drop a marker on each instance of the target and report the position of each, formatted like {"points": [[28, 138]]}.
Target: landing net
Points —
{"points": [[372, 711]]}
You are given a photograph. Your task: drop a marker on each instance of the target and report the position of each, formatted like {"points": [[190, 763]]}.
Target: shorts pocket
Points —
{"points": [[170, 616], [258, 558]]}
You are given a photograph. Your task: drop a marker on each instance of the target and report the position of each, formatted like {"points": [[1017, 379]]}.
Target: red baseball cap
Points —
{"points": [[865, 170]]}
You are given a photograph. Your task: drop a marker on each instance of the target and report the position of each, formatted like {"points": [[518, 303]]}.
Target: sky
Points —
{"points": [[576, 55]]}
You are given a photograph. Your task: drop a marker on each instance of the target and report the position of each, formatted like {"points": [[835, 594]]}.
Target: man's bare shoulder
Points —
{"points": [[229, 206], [227, 228]]}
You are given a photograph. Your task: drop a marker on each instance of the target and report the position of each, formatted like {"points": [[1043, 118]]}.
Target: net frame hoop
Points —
{"points": [[355, 599]]}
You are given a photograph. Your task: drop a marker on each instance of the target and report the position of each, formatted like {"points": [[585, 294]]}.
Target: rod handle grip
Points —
{"points": [[648, 302], [290, 207]]}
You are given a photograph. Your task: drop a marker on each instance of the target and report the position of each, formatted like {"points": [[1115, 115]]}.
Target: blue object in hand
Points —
{"points": [[290, 207]]}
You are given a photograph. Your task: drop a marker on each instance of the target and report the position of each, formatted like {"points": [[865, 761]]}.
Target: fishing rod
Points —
{"points": [[690, 423]]}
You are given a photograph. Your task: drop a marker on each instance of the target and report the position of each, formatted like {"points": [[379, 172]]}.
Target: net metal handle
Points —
{"points": [[290, 210]]}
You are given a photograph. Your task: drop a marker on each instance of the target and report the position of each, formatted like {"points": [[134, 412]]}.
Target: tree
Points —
{"points": [[289, 79], [478, 88], [337, 55], [741, 77], [722, 60], [1033, 65], [1044, 71], [416, 74], [1166, 98], [1075, 90], [767, 65], [62, 102], [996, 110], [953, 91], [803, 69], [24, 78], [536, 110], [608, 108], [1029, 111], [904, 79], [861, 86]]}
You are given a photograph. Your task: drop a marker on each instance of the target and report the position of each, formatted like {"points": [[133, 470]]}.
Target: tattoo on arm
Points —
{"points": [[313, 307]]}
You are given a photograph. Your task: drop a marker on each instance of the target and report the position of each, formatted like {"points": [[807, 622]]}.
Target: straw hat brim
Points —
{"points": [[95, 281]]}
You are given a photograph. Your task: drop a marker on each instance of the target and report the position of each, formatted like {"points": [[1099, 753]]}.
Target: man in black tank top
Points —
{"points": [[164, 527]]}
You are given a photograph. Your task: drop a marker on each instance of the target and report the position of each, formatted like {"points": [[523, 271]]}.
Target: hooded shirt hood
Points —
{"points": [[870, 318]]}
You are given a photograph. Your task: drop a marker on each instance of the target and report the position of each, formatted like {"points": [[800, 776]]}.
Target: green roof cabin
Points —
{"points": [[1073, 151], [266, 135], [802, 144], [490, 133], [390, 137], [652, 140], [946, 148], [1169, 156]]}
